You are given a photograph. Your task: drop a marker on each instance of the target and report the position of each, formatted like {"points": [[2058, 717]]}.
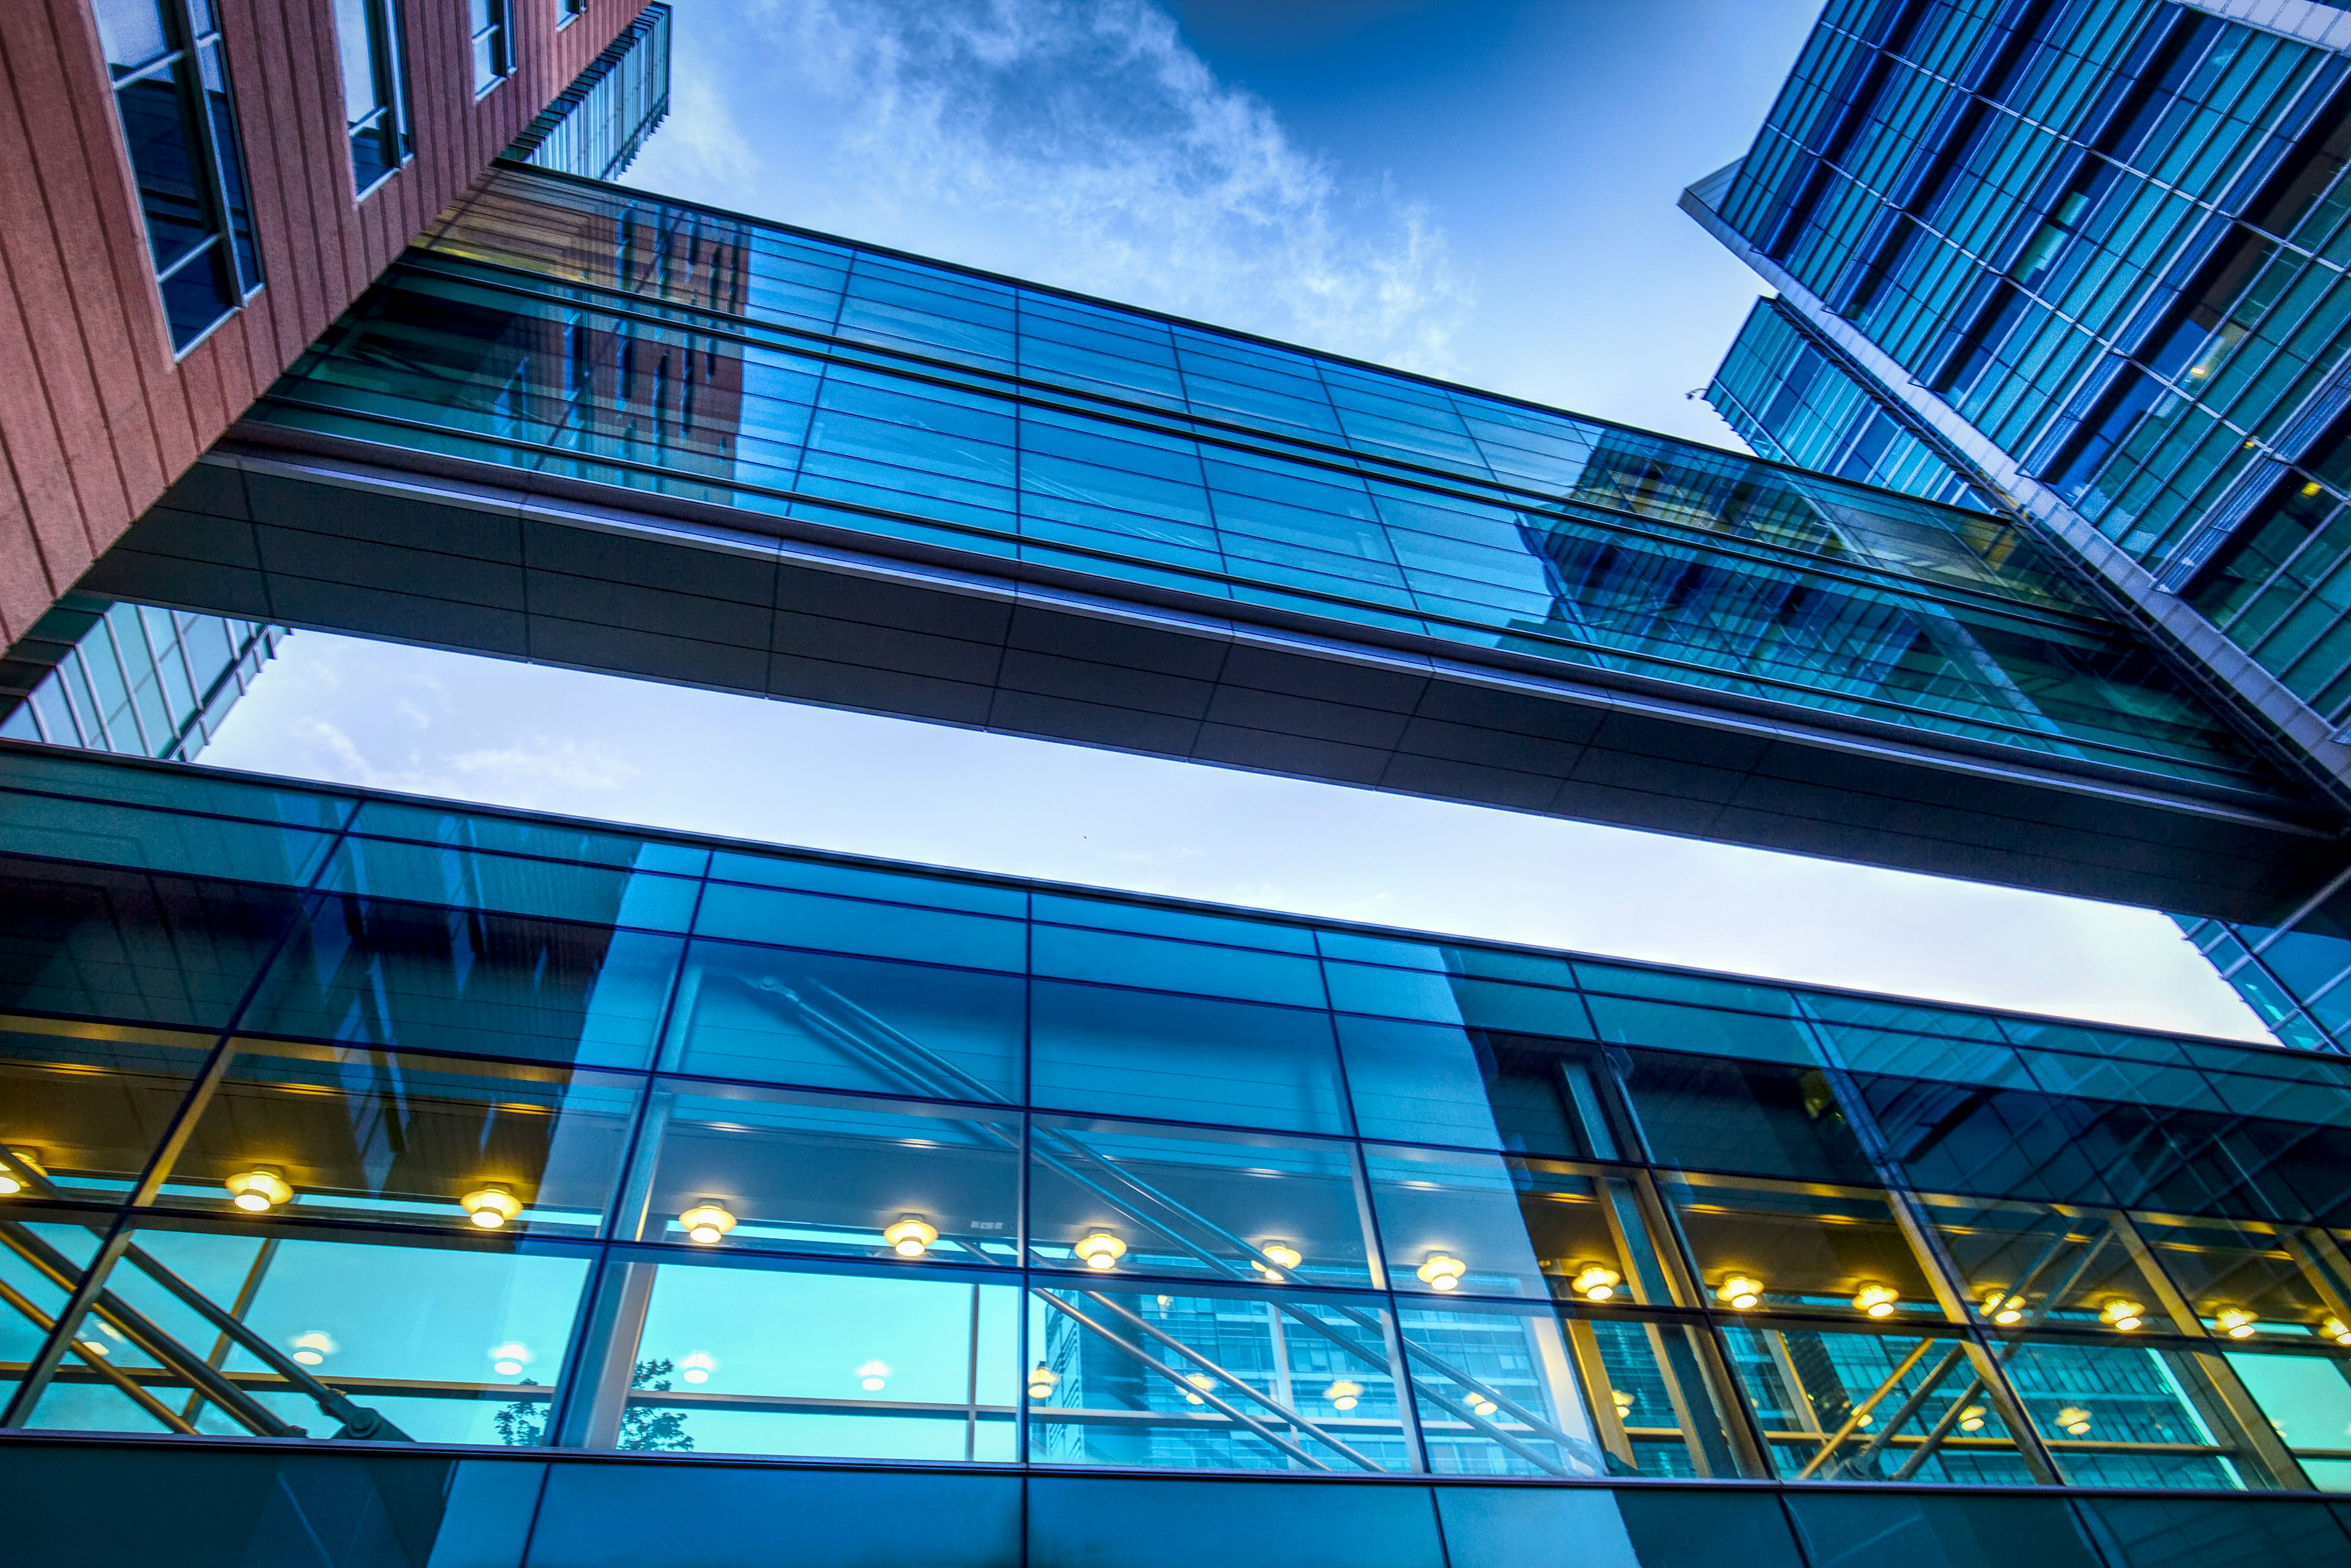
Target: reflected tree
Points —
{"points": [[522, 1424]]}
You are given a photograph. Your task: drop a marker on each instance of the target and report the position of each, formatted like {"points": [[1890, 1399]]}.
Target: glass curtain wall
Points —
{"points": [[568, 328], [344, 1115], [131, 678]]}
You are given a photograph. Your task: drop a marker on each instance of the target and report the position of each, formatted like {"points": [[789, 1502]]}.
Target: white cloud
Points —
{"points": [[541, 764], [1083, 144]]}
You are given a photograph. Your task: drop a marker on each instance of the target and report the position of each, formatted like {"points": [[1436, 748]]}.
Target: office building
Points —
{"points": [[606, 1196], [131, 678], [2089, 250]]}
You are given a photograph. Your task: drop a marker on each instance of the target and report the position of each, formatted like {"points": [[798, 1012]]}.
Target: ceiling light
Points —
{"points": [[26, 1164], [313, 1347], [1483, 1406], [1344, 1394], [873, 1376], [1624, 1401], [508, 1359], [1741, 1291], [2002, 1308], [1972, 1418], [1596, 1283], [2336, 1330], [911, 1236], [1281, 1255], [1878, 1301], [698, 1365], [2074, 1419], [490, 1206], [259, 1189], [1201, 1381], [1442, 1271], [1041, 1379], [2123, 1315], [706, 1222], [1099, 1250], [2236, 1323]]}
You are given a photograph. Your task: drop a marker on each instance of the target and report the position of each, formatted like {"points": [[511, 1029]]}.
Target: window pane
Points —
{"points": [[1185, 1059], [446, 1344], [2135, 1415], [1801, 1249], [2307, 1400], [1229, 1206], [2023, 1264], [1211, 1380], [1852, 1406], [787, 1360], [833, 1022], [1754, 1116], [1488, 1225], [829, 1174], [415, 976], [356, 1133], [1429, 1083], [122, 943], [2245, 1278], [1496, 1392], [1660, 1415], [84, 1106]]}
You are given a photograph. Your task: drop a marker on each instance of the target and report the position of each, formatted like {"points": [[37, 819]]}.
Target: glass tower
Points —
{"points": [[131, 678]]}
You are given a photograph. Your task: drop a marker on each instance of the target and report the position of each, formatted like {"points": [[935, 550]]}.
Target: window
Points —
{"points": [[375, 88], [570, 11], [179, 124], [492, 43]]}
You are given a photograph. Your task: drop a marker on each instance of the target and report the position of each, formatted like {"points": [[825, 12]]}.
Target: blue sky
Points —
{"points": [[1481, 190]]}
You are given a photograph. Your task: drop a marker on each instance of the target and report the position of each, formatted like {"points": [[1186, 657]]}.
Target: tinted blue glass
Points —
{"points": [[1120, 958], [1094, 1048], [854, 926]]}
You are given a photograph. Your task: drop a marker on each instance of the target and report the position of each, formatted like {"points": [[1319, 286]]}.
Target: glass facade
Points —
{"points": [[2108, 236], [179, 123], [559, 327], [130, 678], [1794, 399], [343, 1115], [489, 27], [599, 124]]}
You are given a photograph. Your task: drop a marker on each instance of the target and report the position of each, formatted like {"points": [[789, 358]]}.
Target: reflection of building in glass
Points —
{"points": [[129, 677]]}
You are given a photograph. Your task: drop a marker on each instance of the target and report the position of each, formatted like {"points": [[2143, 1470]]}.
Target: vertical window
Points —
{"points": [[375, 88], [570, 11], [493, 44], [179, 123]]}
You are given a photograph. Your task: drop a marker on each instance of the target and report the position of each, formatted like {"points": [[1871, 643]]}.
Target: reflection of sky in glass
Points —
{"points": [[2305, 1396], [828, 1337]]}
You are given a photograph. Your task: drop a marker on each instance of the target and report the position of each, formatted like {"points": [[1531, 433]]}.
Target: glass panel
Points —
{"points": [[1854, 1406], [415, 976], [2307, 1401], [1660, 1416], [1212, 1380], [774, 1359], [1128, 1196], [2137, 1416], [83, 1107], [1771, 1245], [1185, 1059], [1757, 1116], [772, 1015], [2247, 1280], [1431, 1083], [348, 1133], [2023, 1264], [827, 1174], [1488, 1225], [418, 1341], [1495, 1390]]}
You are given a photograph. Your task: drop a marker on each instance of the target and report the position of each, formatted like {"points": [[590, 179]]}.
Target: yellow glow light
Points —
{"points": [[1480, 1404], [1624, 1401], [1971, 1419], [1743, 1291], [314, 1346], [706, 1222], [490, 1206], [1041, 1379], [1344, 1394], [24, 1160], [911, 1236], [2312, 488], [1282, 1255], [1099, 1250], [2336, 1330], [2002, 1308], [1596, 1283], [1201, 1381], [2075, 1420], [2122, 1315], [1878, 1301], [1443, 1271], [2236, 1323], [259, 1190]]}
